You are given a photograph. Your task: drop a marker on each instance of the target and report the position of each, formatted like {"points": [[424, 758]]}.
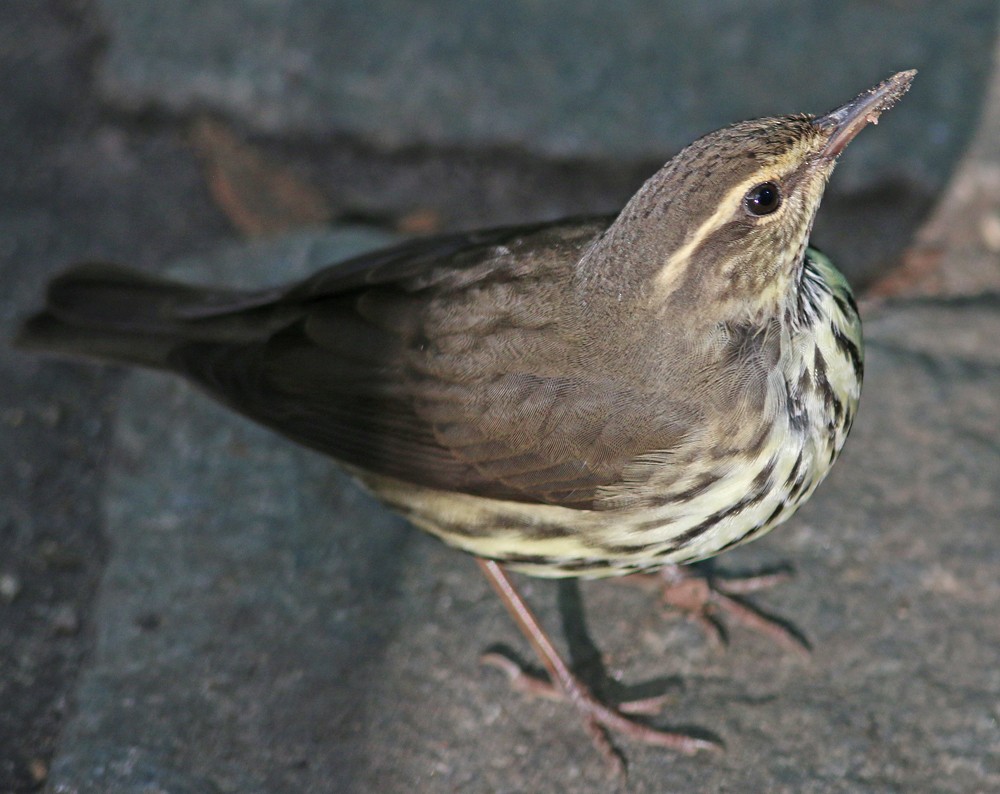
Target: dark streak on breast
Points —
{"points": [[795, 470], [849, 349], [821, 381], [702, 484], [762, 488]]}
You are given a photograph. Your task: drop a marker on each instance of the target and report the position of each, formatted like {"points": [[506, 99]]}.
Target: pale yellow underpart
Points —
{"points": [[431, 509], [502, 529]]}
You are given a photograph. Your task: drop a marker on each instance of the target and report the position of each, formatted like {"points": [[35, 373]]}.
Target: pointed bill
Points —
{"points": [[847, 121]]}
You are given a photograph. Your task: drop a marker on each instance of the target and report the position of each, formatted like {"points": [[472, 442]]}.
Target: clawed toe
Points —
{"points": [[599, 717], [536, 686], [701, 598], [520, 679]]}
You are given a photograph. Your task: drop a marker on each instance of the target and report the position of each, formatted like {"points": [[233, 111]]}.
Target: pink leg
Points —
{"points": [[597, 717]]}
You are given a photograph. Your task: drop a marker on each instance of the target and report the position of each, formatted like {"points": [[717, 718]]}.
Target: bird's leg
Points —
{"points": [[597, 717], [702, 598]]}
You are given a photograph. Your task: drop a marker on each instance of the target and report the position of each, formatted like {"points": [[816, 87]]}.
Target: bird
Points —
{"points": [[592, 397]]}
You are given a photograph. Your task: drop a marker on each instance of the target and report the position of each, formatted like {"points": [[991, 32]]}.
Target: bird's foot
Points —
{"points": [[599, 718], [537, 686], [705, 599]]}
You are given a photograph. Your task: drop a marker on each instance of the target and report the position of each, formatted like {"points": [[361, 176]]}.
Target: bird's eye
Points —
{"points": [[762, 199]]}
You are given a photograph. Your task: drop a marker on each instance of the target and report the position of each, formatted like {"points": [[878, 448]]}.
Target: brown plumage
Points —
{"points": [[590, 397]]}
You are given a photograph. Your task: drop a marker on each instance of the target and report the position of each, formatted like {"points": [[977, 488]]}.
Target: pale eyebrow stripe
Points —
{"points": [[669, 274]]}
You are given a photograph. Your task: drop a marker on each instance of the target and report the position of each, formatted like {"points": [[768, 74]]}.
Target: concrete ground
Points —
{"points": [[190, 604]]}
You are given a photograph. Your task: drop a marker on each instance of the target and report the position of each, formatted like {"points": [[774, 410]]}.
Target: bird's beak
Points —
{"points": [[847, 121]]}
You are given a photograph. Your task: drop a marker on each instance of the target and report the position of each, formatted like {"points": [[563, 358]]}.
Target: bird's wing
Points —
{"points": [[446, 364]]}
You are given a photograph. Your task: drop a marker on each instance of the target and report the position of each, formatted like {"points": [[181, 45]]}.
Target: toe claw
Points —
{"points": [[600, 718], [744, 585], [754, 619], [702, 598], [520, 679], [645, 707]]}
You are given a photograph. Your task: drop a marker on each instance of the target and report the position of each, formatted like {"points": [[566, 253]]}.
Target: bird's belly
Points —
{"points": [[742, 495], [746, 501]]}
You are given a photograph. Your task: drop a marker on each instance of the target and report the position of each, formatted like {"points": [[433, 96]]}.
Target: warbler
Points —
{"points": [[592, 397]]}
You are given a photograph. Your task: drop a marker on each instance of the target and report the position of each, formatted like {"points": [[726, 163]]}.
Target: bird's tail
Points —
{"points": [[119, 314]]}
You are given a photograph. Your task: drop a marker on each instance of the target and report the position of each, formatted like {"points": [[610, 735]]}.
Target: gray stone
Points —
{"points": [[608, 82], [965, 224], [263, 625], [121, 769], [627, 80], [241, 586], [70, 188], [935, 327]]}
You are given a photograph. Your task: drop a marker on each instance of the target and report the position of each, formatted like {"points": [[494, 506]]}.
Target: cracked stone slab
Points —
{"points": [[263, 625]]}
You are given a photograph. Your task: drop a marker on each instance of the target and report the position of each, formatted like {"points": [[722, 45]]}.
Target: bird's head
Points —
{"points": [[727, 220]]}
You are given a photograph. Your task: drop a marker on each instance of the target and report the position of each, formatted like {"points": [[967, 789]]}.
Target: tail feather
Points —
{"points": [[47, 333], [116, 313]]}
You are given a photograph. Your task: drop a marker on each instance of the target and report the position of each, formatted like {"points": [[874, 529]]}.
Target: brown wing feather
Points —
{"points": [[442, 374]]}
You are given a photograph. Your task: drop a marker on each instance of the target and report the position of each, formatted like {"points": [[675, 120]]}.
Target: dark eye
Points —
{"points": [[762, 199]]}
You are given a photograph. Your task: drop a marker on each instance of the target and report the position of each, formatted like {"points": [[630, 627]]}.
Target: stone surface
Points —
{"points": [[961, 239], [317, 683], [70, 187], [629, 80], [604, 82], [263, 625]]}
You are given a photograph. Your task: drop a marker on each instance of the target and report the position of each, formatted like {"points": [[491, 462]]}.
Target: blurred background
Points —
{"points": [[253, 141]]}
